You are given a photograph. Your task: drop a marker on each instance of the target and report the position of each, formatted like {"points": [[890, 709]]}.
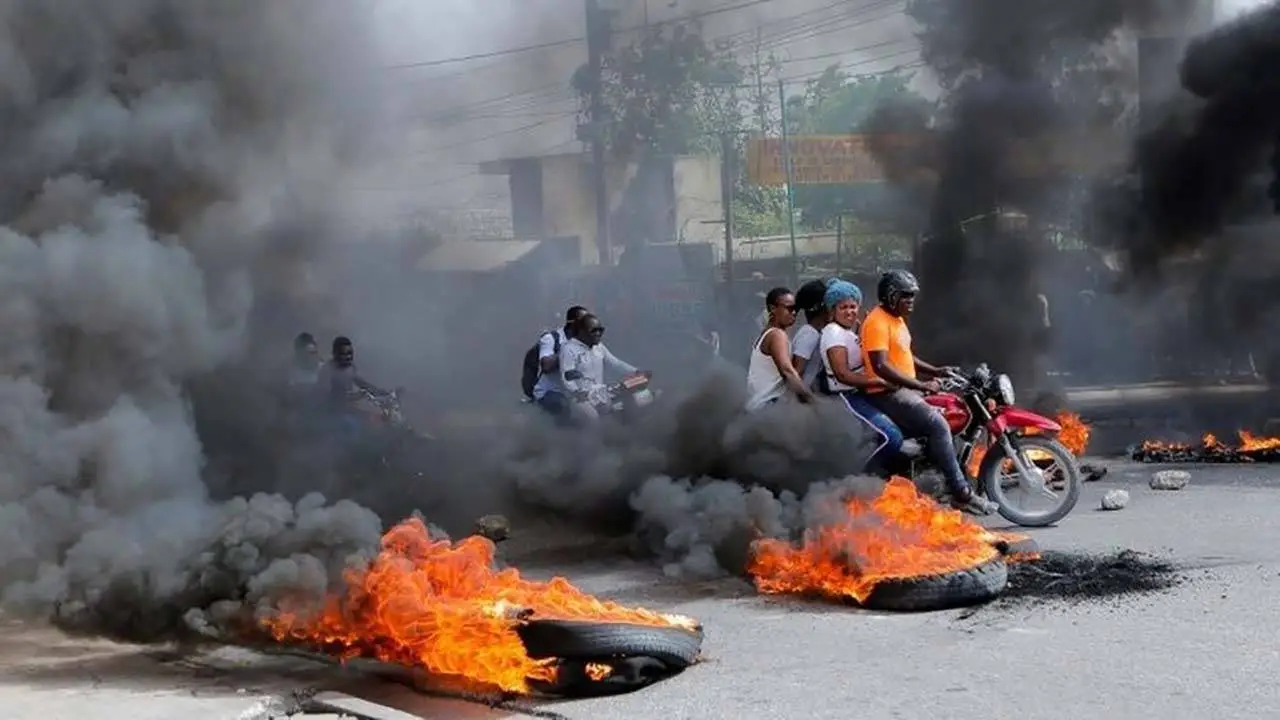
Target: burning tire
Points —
{"points": [[597, 659], [677, 648], [991, 475], [940, 592]]}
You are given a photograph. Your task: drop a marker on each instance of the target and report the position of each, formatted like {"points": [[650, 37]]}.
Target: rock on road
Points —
{"points": [[1207, 648]]}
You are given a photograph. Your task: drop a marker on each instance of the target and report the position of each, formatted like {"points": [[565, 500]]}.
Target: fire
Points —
{"points": [[1075, 432], [1074, 436], [442, 607], [900, 534], [1248, 443]]}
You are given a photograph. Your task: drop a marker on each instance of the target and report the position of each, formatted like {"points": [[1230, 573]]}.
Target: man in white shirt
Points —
{"points": [[583, 361], [549, 392]]}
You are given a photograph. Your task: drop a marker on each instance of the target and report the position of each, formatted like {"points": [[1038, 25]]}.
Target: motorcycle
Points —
{"points": [[1018, 449], [384, 416], [623, 399]]}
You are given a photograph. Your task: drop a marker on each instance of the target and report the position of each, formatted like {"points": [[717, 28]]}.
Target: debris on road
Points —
{"points": [[1115, 499], [1169, 479], [1092, 473]]}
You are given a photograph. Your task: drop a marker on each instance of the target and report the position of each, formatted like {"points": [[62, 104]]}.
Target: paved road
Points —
{"points": [[1206, 649]]}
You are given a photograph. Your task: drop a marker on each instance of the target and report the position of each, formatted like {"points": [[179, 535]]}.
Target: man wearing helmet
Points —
{"points": [[886, 350]]}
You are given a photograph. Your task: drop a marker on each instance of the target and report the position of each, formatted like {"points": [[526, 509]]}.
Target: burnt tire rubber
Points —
{"points": [[602, 642], [941, 592]]}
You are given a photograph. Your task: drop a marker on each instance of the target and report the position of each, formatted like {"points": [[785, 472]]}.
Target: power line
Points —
{"points": [[569, 41], [803, 31]]}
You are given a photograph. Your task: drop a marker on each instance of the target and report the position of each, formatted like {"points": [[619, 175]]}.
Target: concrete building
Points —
{"points": [[674, 200]]}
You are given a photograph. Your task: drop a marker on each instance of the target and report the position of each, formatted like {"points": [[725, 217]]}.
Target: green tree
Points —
{"points": [[671, 92], [836, 103], [668, 93]]}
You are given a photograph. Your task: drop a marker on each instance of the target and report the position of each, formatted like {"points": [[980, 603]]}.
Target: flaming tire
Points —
{"points": [[677, 648], [940, 592]]}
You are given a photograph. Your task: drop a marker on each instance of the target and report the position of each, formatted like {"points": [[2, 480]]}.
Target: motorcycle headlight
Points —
{"points": [[1004, 389]]}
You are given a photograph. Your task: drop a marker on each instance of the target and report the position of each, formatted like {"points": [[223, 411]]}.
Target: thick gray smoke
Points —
{"points": [[157, 154], [697, 479]]}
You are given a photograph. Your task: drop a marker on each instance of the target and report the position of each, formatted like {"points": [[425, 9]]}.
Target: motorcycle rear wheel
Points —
{"points": [[989, 476]]}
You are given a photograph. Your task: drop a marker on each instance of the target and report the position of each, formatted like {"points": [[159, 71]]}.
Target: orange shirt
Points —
{"points": [[882, 332]]}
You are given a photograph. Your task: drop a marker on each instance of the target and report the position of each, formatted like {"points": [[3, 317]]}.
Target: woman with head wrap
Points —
{"points": [[842, 362]]}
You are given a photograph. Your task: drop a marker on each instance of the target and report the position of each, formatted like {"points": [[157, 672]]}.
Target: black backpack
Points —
{"points": [[532, 369]]}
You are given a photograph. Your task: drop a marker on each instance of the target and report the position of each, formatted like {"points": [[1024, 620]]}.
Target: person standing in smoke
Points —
{"points": [[804, 346], [886, 348], [770, 372]]}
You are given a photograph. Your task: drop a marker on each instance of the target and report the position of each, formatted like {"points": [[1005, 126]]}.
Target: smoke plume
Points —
{"points": [[697, 479], [160, 158], [1025, 85]]}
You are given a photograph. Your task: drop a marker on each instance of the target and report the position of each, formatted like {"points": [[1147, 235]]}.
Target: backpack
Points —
{"points": [[532, 369]]}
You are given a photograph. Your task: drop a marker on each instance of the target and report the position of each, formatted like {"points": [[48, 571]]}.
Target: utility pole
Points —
{"points": [[791, 193], [727, 174], [761, 99], [598, 30]]}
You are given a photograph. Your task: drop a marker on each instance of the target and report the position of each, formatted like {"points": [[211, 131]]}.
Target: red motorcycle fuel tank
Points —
{"points": [[953, 409]]}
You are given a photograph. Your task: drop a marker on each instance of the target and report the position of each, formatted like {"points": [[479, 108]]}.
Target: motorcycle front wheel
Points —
{"points": [[1053, 480]]}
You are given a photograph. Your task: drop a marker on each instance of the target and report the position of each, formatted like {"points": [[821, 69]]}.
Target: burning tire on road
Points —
{"points": [[900, 551], [596, 658], [1251, 448], [440, 609]]}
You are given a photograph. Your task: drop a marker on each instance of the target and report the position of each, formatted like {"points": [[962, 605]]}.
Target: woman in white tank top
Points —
{"points": [[770, 372]]}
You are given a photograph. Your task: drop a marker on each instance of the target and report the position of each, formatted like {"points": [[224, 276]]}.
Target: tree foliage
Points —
{"points": [[670, 92], [836, 103]]}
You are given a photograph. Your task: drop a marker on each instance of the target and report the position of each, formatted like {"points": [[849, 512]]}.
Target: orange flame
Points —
{"points": [[441, 606], [1074, 436], [1248, 442], [900, 534]]}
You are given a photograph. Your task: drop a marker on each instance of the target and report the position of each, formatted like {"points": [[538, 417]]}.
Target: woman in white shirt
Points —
{"points": [[804, 346], [842, 363], [770, 372]]}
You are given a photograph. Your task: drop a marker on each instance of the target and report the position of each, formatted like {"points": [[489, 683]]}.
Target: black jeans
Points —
{"points": [[918, 418]]}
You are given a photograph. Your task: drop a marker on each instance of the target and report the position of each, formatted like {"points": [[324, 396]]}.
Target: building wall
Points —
{"points": [[569, 199]]}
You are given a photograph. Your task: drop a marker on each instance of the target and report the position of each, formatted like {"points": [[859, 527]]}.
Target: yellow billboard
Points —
{"points": [[848, 159], [822, 159]]}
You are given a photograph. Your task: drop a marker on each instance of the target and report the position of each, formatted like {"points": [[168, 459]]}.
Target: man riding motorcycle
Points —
{"points": [[886, 348], [340, 386], [583, 360]]}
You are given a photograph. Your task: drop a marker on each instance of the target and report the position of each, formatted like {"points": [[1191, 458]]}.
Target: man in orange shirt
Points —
{"points": [[886, 351]]}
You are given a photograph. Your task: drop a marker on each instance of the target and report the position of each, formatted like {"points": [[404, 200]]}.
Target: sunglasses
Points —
{"points": [[596, 331], [788, 308]]}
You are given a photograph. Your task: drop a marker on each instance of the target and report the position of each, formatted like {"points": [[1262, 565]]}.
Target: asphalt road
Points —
{"points": [[1208, 648]]}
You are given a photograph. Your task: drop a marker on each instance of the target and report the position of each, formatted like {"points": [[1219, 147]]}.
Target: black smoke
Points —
{"points": [[1024, 84], [1192, 212]]}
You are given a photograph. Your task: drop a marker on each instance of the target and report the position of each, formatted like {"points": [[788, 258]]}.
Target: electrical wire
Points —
{"points": [[569, 41]]}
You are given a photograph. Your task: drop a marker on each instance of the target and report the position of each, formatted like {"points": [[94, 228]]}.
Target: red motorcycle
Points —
{"points": [[1019, 453]]}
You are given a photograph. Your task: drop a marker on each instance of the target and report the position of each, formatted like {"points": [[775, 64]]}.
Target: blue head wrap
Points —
{"points": [[839, 291]]}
